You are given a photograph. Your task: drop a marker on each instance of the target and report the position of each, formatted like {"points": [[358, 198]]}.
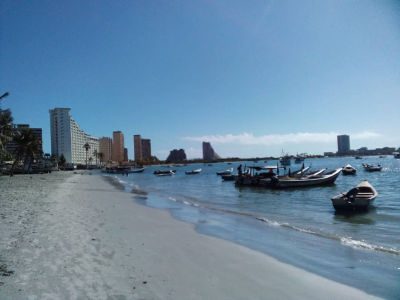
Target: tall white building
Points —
{"points": [[68, 139]]}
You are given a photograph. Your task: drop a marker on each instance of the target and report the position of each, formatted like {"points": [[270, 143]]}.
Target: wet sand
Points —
{"points": [[72, 236]]}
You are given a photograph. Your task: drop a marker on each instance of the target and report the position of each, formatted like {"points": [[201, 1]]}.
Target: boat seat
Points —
{"points": [[364, 195]]}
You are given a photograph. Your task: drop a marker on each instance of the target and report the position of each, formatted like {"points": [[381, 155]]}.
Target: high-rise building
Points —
{"points": [[343, 142], [11, 146], [137, 145], [118, 146], [146, 149], [68, 139], [105, 148], [208, 152], [126, 154]]}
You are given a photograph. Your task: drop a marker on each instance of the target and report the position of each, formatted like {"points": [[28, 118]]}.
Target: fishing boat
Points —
{"points": [[396, 155], [226, 172], [164, 172], [349, 170], [356, 199], [229, 177], [314, 174], [372, 168], [285, 160], [193, 172], [270, 180], [136, 170], [299, 159]]}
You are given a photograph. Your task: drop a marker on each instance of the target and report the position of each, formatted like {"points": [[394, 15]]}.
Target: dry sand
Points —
{"points": [[79, 237]]}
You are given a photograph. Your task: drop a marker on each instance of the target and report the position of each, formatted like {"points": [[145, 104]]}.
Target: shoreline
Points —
{"points": [[97, 242]]}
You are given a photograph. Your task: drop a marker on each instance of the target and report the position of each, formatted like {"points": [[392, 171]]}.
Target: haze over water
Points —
{"points": [[297, 226]]}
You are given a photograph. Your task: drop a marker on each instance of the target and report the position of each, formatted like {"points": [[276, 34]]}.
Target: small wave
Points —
{"points": [[343, 240], [265, 220], [364, 245]]}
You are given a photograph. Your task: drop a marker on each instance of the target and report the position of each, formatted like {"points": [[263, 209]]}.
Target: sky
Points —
{"points": [[255, 78]]}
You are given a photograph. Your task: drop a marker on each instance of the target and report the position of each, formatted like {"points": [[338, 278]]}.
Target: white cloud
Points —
{"points": [[280, 139]]}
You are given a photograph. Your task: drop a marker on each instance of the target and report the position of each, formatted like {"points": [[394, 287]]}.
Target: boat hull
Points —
{"points": [[285, 183], [356, 204], [349, 172]]}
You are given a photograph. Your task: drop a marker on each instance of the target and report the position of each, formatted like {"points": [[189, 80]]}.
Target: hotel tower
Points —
{"points": [[118, 146], [68, 139]]}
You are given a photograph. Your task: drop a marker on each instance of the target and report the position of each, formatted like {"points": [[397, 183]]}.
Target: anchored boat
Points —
{"points": [[193, 172], [349, 170], [356, 199]]}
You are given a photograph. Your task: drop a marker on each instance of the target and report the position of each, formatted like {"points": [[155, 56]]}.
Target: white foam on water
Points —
{"points": [[348, 241], [269, 222]]}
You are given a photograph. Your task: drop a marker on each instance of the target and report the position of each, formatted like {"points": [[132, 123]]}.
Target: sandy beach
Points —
{"points": [[79, 236]]}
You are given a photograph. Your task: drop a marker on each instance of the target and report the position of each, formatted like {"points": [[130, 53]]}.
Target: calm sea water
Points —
{"points": [[296, 226]]}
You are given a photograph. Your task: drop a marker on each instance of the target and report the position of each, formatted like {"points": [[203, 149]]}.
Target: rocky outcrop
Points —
{"points": [[176, 156]]}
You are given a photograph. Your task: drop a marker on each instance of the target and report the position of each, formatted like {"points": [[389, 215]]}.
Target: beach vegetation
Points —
{"points": [[6, 125], [27, 148], [95, 154], [87, 147], [62, 160], [100, 155]]}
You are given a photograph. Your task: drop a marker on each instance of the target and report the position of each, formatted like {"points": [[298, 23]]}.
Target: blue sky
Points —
{"points": [[252, 77]]}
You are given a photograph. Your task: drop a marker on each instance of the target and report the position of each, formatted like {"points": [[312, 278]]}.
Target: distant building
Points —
{"points": [[146, 149], [105, 148], [118, 146], [176, 156], [343, 142], [11, 146], [208, 152], [137, 145], [68, 139], [126, 154], [142, 148]]}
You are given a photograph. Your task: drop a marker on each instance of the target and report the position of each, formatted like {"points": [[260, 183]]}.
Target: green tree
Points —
{"points": [[87, 147], [100, 155], [28, 145], [6, 123], [62, 160], [95, 154]]}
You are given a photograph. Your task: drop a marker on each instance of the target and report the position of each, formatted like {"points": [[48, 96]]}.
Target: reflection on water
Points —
{"points": [[359, 217]]}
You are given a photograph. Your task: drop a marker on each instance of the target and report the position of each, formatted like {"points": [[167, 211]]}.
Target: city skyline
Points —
{"points": [[253, 79]]}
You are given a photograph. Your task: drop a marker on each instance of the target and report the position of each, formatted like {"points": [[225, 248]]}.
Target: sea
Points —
{"points": [[297, 226]]}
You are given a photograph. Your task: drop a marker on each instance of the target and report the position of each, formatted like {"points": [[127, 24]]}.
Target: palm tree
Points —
{"points": [[28, 145], [6, 121], [61, 161], [95, 154], [100, 155], [87, 147]]}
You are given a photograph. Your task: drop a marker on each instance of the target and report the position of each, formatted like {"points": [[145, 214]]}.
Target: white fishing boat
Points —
{"points": [[358, 198], [193, 172], [270, 180], [226, 172], [349, 170], [372, 168], [164, 172]]}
